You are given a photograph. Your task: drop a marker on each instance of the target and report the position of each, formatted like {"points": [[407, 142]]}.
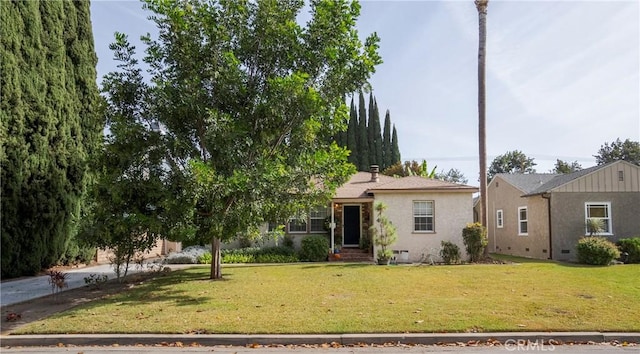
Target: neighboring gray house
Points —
{"points": [[544, 215]]}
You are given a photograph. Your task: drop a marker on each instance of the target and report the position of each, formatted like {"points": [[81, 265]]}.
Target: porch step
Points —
{"points": [[354, 255]]}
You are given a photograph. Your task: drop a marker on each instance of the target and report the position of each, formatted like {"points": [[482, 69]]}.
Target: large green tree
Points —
{"points": [[511, 162], [627, 150], [49, 126], [248, 99], [127, 200]]}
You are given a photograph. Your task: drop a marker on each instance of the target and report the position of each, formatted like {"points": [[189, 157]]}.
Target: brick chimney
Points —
{"points": [[375, 173]]}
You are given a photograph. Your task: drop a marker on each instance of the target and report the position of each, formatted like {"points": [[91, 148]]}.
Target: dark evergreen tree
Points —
{"points": [[395, 150], [377, 145], [363, 136], [352, 135], [371, 138], [386, 142], [49, 126]]}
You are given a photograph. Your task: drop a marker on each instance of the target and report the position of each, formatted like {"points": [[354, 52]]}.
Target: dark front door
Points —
{"points": [[351, 220]]}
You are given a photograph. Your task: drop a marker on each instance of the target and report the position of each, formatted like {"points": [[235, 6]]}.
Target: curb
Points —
{"points": [[555, 338]]}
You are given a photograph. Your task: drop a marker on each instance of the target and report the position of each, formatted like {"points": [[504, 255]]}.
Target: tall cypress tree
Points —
{"points": [[49, 126], [377, 144], [371, 133], [395, 150], [352, 135], [363, 136], [386, 142]]}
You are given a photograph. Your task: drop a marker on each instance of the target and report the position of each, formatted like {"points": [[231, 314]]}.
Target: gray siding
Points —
{"points": [[568, 218], [606, 180]]}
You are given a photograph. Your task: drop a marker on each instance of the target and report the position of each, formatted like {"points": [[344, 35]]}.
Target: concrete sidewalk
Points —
{"points": [[16, 291], [505, 338]]}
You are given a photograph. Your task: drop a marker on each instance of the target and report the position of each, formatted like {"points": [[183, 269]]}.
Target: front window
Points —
{"points": [[523, 221], [297, 225], [423, 212], [598, 218], [317, 217], [499, 217]]}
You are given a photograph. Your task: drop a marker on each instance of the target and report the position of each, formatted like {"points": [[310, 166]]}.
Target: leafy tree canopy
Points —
{"points": [[411, 168], [453, 175], [627, 150], [511, 162], [563, 167], [249, 100]]}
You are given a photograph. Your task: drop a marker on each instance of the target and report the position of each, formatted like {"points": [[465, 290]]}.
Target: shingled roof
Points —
{"points": [[538, 183], [361, 185], [563, 179], [527, 182]]}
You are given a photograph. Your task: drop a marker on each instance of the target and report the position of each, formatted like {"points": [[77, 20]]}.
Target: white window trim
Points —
{"points": [[499, 218], [433, 217], [520, 221], [610, 218]]}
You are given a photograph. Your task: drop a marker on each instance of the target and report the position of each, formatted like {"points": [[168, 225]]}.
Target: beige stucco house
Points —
{"points": [[424, 212], [544, 215]]}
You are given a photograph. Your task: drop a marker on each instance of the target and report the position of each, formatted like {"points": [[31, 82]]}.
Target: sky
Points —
{"points": [[562, 77]]}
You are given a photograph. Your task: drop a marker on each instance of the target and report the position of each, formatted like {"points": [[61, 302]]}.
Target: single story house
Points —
{"points": [[424, 211], [544, 215]]}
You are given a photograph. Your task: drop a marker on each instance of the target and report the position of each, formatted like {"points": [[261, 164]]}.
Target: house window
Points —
{"points": [[620, 176], [499, 218], [297, 225], [317, 217], [600, 212], [523, 221], [423, 216]]}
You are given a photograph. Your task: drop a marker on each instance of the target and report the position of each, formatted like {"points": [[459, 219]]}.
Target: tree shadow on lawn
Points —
{"points": [[161, 289], [336, 265], [133, 289]]}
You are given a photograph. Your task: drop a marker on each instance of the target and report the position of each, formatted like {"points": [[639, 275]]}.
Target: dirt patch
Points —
{"points": [[17, 315]]}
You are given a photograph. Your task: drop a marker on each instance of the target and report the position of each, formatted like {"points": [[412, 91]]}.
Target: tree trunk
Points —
{"points": [[216, 272], [481, 6]]}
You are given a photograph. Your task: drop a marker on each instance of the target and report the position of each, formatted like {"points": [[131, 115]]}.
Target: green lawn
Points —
{"points": [[357, 298]]}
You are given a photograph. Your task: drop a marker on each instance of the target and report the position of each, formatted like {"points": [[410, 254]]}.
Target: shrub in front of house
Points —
{"points": [[314, 249], [596, 251], [277, 254], [450, 252], [205, 258], [475, 240], [630, 249]]}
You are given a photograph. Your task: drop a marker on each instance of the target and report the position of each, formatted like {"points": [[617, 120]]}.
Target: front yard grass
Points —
{"points": [[359, 298]]}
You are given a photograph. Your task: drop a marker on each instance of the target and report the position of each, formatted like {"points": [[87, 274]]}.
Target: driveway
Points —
{"points": [[15, 291]]}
